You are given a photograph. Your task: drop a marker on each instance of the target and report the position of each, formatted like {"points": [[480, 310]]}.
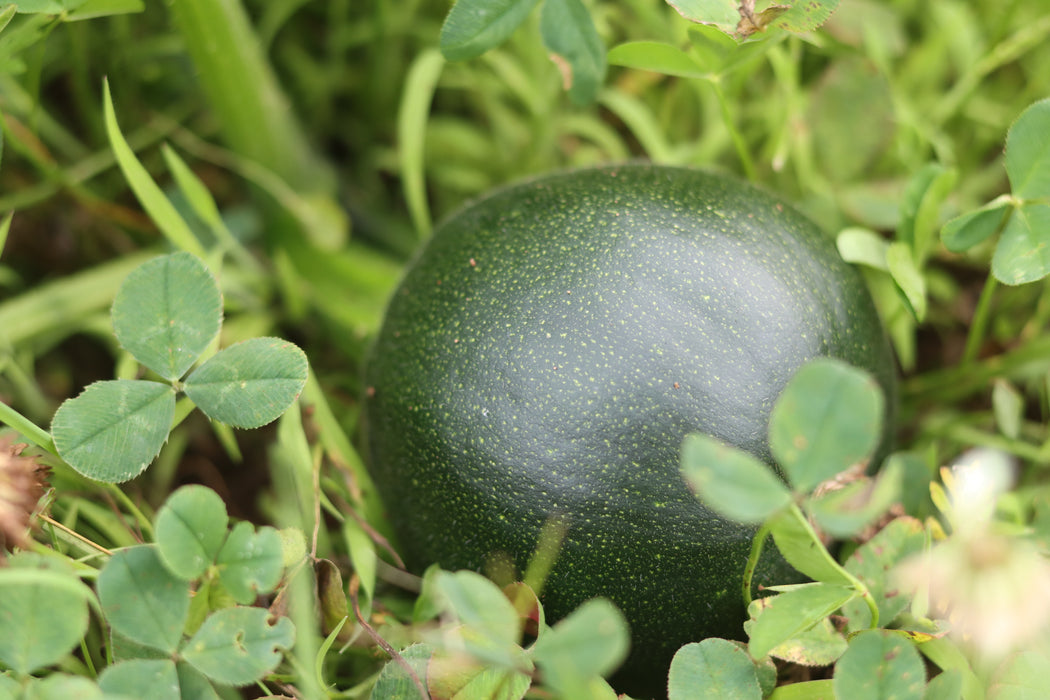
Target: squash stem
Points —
{"points": [[757, 544]]}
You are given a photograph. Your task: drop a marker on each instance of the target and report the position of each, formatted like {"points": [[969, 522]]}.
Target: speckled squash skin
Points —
{"points": [[549, 349]]}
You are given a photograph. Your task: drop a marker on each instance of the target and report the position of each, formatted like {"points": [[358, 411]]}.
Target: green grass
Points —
{"points": [[307, 168]]}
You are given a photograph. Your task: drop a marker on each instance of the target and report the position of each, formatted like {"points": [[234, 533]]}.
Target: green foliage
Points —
{"points": [[886, 123], [713, 668], [1025, 217], [144, 596], [45, 610], [167, 312]]}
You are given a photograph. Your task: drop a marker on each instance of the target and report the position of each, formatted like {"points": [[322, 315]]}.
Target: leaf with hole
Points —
{"points": [[731, 482], [475, 26], [190, 529], [114, 429], [569, 34], [1023, 252], [713, 668], [238, 646], [166, 313], [845, 511], [880, 665], [249, 384], [44, 610], [827, 419], [794, 612], [1028, 152], [142, 600], [250, 561]]}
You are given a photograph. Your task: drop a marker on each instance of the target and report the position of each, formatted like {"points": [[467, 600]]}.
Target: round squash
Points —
{"points": [[550, 347]]}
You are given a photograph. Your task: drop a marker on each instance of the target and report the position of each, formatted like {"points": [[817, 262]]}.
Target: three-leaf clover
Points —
{"points": [[167, 314]]}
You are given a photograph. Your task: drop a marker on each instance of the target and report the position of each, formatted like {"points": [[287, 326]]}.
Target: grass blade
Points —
{"points": [[163, 213]]}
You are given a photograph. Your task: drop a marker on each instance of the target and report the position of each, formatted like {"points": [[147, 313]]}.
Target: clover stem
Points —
{"points": [[757, 545], [35, 434]]}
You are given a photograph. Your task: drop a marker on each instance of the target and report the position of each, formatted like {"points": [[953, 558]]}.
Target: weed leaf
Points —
{"points": [[1008, 405], [193, 684], [44, 613], [820, 645], [657, 57], [5, 223], [802, 548], [794, 612], [394, 683], [872, 562], [1028, 152], [475, 26], [846, 511], [362, 551], [251, 561], [491, 623], [142, 678], [591, 642], [238, 646], [249, 384], [190, 529], [159, 208], [57, 686], [806, 15], [1021, 675], [920, 207], [91, 9], [166, 313], [569, 33], [713, 668], [908, 277], [142, 600], [712, 48], [114, 429], [827, 419], [1023, 253], [793, 15], [863, 247], [731, 482], [488, 682], [965, 231], [880, 665]]}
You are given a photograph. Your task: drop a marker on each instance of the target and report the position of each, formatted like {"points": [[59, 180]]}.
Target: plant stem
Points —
{"points": [[734, 133], [757, 545], [979, 325], [35, 434]]}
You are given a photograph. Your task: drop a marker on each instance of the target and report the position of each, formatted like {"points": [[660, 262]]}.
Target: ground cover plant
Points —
{"points": [[188, 189]]}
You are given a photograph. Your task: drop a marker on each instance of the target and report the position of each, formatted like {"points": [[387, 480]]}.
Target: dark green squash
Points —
{"points": [[550, 348]]}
